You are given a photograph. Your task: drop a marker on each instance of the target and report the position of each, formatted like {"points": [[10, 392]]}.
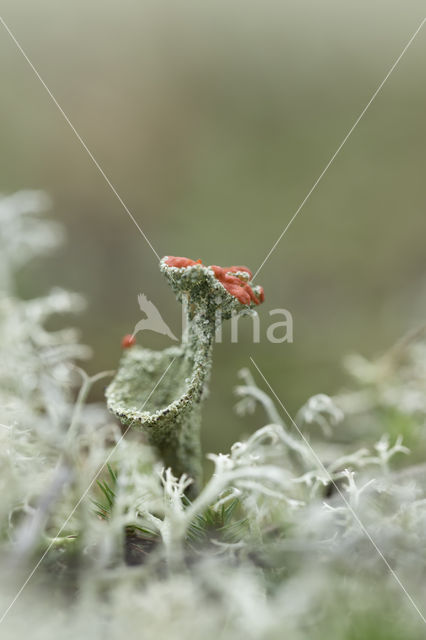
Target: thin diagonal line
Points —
{"points": [[95, 477], [79, 138], [356, 517], [339, 148]]}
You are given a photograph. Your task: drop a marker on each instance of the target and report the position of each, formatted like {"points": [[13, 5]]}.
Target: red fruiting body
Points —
{"points": [[238, 292], [236, 285], [173, 261], [128, 341], [235, 269]]}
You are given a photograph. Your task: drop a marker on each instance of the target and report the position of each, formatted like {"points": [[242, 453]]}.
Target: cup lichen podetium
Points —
{"points": [[170, 416]]}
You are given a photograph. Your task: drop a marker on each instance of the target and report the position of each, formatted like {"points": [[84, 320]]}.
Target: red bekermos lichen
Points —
{"points": [[234, 279], [172, 419]]}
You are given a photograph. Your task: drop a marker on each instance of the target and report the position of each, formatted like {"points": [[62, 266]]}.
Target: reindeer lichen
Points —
{"points": [[170, 413], [272, 541]]}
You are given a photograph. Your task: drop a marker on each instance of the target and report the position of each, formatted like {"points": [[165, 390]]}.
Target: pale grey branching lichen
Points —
{"points": [[268, 546], [24, 232], [170, 413]]}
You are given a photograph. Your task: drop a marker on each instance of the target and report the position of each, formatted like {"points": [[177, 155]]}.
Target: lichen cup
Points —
{"points": [[161, 392]]}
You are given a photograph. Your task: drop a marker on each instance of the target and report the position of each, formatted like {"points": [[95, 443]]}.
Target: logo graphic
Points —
{"points": [[276, 333], [153, 320]]}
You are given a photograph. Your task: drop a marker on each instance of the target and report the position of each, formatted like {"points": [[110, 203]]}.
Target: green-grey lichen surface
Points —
{"points": [[168, 409]]}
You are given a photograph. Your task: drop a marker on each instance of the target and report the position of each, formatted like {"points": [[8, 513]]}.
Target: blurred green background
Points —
{"points": [[213, 120]]}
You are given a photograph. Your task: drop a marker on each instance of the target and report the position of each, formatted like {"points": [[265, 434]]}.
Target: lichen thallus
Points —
{"points": [[171, 416]]}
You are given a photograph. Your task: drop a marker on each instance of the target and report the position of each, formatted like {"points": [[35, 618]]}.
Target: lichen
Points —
{"points": [[171, 415], [272, 542]]}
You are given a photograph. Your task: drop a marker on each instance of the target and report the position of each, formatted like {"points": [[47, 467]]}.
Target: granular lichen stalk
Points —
{"points": [[171, 416]]}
